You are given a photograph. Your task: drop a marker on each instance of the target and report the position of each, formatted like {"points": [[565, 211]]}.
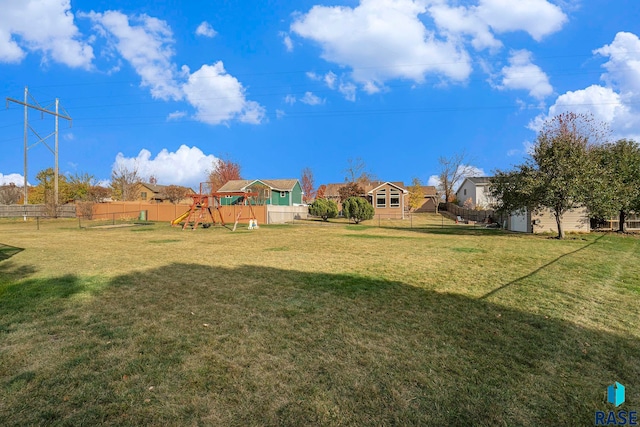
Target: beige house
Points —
{"points": [[154, 193], [431, 199], [389, 199], [575, 220]]}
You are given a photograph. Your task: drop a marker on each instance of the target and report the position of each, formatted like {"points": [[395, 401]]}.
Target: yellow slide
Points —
{"points": [[181, 218]]}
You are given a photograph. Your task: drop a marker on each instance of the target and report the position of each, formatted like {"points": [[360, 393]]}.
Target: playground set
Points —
{"points": [[206, 209]]}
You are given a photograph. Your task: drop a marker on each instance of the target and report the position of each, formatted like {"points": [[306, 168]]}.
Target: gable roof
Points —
{"points": [[479, 180], [429, 190], [157, 189], [375, 185], [274, 184]]}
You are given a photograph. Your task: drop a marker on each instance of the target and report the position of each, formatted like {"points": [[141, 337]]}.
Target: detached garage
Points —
{"points": [[575, 220]]}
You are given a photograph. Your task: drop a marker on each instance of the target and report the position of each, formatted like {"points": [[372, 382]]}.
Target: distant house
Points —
{"points": [[431, 199], [524, 221], [275, 192], [389, 199], [155, 193], [476, 189]]}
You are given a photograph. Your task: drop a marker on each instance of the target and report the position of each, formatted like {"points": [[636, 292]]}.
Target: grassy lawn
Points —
{"points": [[314, 325]]}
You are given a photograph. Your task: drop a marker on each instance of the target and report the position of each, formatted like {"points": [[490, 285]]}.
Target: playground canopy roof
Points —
{"points": [[245, 184]]}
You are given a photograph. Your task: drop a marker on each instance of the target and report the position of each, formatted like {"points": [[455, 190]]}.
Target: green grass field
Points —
{"points": [[314, 325]]}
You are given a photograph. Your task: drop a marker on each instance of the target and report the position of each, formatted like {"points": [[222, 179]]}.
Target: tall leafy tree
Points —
{"points": [[224, 170], [616, 189], [560, 174], [416, 194]]}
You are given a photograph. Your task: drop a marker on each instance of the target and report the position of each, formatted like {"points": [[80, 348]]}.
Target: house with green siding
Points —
{"points": [[275, 192]]}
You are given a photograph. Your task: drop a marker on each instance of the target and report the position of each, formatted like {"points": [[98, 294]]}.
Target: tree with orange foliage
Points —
{"points": [[308, 185], [321, 190], [224, 170]]}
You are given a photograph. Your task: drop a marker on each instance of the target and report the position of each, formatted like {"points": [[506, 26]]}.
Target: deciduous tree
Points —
{"points": [[10, 194], [453, 170], [174, 193], [358, 209], [224, 170], [351, 189], [124, 183], [308, 187], [616, 188], [560, 174], [416, 194], [356, 171], [321, 192]]}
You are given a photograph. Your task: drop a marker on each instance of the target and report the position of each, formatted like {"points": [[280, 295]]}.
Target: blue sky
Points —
{"points": [[170, 86]]}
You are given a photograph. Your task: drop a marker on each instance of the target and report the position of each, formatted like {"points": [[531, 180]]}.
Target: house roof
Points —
{"points": [[156, 188], [429, 190], [375, 185], [332, 189], [274, 184], [479, 179]]}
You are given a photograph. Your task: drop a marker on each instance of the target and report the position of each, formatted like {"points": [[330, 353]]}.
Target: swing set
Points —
{"points": [[207, 209]]}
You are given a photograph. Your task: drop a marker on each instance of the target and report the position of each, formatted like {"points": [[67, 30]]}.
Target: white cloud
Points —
{"points": [[286, 39], [623, 67], [434, 181], [539, 18], [176, 115], [14, 178], [206, 30], [382, 40], [219, 97], [147, 44], [280, 114], [348, 90], [456, 21], [187, 166], [310, 99], [523, 74], [615, 103], [330, 80], [290, 99], [44, 26]]}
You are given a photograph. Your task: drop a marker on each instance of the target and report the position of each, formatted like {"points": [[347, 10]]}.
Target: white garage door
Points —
{"points": [[519, 222]]}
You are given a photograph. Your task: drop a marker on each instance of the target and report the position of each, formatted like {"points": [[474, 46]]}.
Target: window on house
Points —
{"points": [[394, 198], [143, 195], [465, 191], [381, 198]]}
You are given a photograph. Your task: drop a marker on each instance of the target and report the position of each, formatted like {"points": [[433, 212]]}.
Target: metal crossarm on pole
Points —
{"points": [[57, 115]]}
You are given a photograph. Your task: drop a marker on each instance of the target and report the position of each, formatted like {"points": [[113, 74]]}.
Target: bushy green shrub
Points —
{"points": [[324, 208], [358, 209]]}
